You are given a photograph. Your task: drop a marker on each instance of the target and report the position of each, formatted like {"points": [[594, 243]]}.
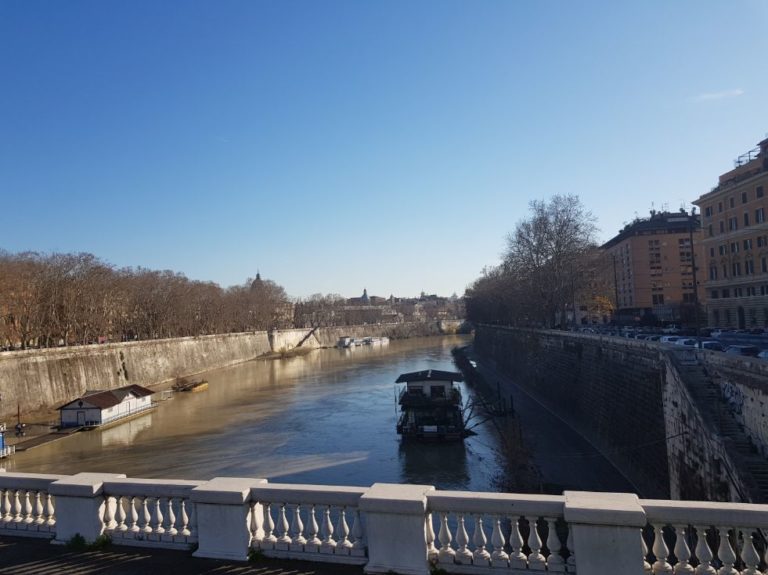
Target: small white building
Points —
{"points": [[100, 407]]}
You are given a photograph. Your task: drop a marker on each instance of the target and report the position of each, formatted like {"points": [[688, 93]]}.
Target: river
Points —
{"points": [[324, 418]]}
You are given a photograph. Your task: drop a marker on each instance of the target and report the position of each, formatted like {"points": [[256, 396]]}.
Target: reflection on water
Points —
{"points": [[327, 418]]}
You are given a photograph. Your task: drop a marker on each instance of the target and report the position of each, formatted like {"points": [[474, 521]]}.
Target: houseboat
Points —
{"points": [[431, 406], [5, 450], [97, 408]]}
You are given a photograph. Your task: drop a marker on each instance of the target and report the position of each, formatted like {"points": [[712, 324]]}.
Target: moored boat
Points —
{"points": [[431, 406]]}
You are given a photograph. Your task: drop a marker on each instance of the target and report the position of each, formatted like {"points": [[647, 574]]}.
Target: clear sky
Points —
{"points": [[340, 145]]}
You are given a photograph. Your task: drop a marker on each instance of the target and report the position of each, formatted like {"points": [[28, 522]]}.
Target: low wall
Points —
{"points": [[42, 379]]}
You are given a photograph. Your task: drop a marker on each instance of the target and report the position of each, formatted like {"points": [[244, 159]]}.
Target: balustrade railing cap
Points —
{"points": [[396, 498], [594, 508], [82, 484], [225, 490]]}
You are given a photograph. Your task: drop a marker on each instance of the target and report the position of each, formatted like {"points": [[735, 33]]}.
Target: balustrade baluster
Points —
{"points": [[749, 554], [570, 563], [49, 510], [536, 561], [481, 555], [644, 547], [703, 553], [499, 557], [682, 551], [158, 515], [463, 554], [269, 540], [446, 553], [256, 534], [313, 542], [358, 545], [107, 516], [517, 559], [187, 516], [430, 531], [284, 539], [343, 544], [39, 511], [28, 511], [297, 530], [144, 516], [192, 512], [555, 560], [726, 553], [660, 550], [328, 545], [134, 514], [170, 527], [7, 509], [121, 513], [17, 509]]}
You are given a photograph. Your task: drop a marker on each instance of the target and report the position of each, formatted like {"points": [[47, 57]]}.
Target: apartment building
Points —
{"points": [[651, 261], [735, 242]]}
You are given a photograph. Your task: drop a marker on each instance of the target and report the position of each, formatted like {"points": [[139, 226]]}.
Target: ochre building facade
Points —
{"points": [[735, 242]]}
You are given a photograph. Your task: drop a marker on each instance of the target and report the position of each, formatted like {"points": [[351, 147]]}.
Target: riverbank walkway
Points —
{"points": [[24, 556]]}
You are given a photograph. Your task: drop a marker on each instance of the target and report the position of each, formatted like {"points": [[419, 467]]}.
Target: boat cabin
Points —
{"points": [[97, 408], [431, 406]]}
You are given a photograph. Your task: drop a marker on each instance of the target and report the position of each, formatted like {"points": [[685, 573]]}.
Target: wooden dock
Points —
{"points": [[39, 440]]}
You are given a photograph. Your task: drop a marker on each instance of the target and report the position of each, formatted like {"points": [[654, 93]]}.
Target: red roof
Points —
{"points": [[110, 397]]}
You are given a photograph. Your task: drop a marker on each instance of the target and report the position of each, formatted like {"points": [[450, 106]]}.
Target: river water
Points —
{"points": [[324, 418]]}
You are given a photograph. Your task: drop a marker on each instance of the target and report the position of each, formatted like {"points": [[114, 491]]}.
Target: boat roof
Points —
{"points": [[430, 375], [110, 397]]}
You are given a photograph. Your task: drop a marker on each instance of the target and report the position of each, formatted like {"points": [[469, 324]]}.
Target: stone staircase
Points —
{"points": [[720, 416]]}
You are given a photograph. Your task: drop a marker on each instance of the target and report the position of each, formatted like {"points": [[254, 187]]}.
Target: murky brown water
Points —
{"points": [[326, 418]]}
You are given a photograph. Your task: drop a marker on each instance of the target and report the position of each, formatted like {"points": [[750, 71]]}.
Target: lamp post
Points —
{"points": [[693, 269]]}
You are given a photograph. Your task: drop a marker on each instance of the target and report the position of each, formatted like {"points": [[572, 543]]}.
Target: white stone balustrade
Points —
{"points": [[705, 538], [407, 529], [150, 512], [310, 522], [494, 532], [26, 506]]}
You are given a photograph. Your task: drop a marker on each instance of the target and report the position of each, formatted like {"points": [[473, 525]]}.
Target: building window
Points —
{"points": [[746, 219], [751, 291], [720, 207], [749, 267], [734, 247], [721, 249], [722, 227], [764, 264], [711, 252], [708, 211], [713, 294], [759, 215], [713, 272], [738, 292], [760, 241], [725, 271], [658, 299], [759, 192], [731, 202], [726, 292], [736, 267], [733, 224], [743, 197], [710, 231], [748, 244]]}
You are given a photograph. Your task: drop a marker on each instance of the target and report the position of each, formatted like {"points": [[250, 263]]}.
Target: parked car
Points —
{"points": [[653, 338], [672, 328], [712, 345], [687, 342], [669, 338], [763, 354], [747, 350]]}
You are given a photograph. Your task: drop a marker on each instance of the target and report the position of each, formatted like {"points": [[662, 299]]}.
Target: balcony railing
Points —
{"points": [[393, 528]]}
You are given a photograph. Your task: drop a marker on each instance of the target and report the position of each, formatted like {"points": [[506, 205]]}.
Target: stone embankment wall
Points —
{"points": [[608, 389], [636, 404], [743, 382], [37, 380]]}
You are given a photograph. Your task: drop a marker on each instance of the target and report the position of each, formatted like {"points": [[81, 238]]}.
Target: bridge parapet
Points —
{"points": [[410, 529]]}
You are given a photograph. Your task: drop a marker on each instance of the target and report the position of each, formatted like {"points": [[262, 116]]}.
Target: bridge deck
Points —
{"points": [[39, 556]]}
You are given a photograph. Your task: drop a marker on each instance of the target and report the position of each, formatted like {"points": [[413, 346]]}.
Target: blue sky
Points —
{"points": [[341, 145]]}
